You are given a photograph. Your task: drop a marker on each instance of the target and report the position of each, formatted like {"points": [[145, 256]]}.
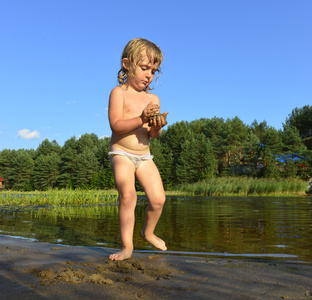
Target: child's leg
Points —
{"points": [[149, 178], [123, 170]]}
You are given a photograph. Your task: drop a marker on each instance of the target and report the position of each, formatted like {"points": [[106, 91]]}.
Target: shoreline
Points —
{"points": [[103, 197], [189, 194], [35, 270]]}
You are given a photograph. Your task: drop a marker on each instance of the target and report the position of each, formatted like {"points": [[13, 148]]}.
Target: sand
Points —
{"points": [[33, 270]]}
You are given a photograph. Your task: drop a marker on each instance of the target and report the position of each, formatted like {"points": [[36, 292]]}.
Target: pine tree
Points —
{"points": [[67, 165], [6, 167], [106, 177], [86, 166], [259, 129], [214, 130], [196, 161], [270, 169], [87, 142], [22, 167], [301, 118], [46, 171], [48, 148], [273, 141], [236, 133], [292, 142]]}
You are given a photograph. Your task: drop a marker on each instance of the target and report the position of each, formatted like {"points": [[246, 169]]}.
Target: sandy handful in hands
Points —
{"points": [[156, 117]]}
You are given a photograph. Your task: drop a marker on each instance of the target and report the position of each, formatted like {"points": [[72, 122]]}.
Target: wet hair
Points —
{"points": [[133, 51]]}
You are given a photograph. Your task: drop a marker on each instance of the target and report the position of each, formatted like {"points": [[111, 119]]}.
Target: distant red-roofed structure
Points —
{"points": [[1, 183]]}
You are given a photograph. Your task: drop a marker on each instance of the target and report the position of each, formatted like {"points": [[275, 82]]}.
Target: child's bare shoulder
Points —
{"points": [[153, 98], [116, 93], [117, 90]]}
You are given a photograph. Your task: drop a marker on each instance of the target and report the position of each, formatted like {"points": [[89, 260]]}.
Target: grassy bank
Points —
{"points": [[243, 186], [227, 186], [58, 197]]}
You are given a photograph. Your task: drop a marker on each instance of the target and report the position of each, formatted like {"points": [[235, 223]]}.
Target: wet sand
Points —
{"points": [[32, 270]]}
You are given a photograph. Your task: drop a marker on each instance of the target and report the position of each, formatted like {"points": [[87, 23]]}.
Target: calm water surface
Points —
{"points": [[220, 226]]}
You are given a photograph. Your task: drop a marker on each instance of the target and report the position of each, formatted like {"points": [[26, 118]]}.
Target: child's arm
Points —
{"points": [[115, 115]]}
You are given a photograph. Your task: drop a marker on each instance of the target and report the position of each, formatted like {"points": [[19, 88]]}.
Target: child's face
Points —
{"points": [[144, 72]]}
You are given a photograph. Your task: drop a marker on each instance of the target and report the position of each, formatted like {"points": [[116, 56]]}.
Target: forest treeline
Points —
{"points": [[186, 152]]}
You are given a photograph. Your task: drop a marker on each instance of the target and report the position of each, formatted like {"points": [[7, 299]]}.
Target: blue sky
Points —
{"points": [[59, 61]]}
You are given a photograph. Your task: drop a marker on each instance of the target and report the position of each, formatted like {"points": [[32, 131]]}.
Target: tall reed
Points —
{"points": [[58, 197], [244, 186]]}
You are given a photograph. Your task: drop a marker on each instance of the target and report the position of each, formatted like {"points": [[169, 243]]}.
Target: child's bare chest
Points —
{"points": [[134, 106]]}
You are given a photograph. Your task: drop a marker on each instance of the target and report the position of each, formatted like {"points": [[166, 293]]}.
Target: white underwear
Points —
{"points": [[135, 158]]}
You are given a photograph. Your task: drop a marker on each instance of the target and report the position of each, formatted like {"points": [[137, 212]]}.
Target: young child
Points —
{"points": [[130, 109]]}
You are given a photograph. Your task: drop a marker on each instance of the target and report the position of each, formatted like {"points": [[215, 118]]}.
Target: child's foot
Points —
{"points": [[155, 241], [121, 255]]}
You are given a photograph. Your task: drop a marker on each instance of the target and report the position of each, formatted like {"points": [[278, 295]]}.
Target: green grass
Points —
{"points": [[243, 186], [58, 197], [225, 186]]}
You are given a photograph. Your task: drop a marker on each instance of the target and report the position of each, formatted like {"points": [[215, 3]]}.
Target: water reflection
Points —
{"points": [[257, 226]]}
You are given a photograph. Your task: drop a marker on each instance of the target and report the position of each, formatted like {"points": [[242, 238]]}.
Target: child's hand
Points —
{"points": [[149, 111], [159, 120]]}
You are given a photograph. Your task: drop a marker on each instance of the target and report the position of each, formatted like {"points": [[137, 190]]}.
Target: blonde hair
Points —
{"points": [[133, 51]]}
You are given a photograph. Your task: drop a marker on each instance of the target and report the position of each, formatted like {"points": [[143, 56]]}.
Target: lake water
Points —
{"points": [[265, 227]]}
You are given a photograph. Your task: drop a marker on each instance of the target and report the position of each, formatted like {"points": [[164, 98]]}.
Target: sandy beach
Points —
{"points": [[33, 270]]}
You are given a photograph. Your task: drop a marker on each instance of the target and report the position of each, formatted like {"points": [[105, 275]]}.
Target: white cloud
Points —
{"points": [[71, 102], [27, 135]]}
